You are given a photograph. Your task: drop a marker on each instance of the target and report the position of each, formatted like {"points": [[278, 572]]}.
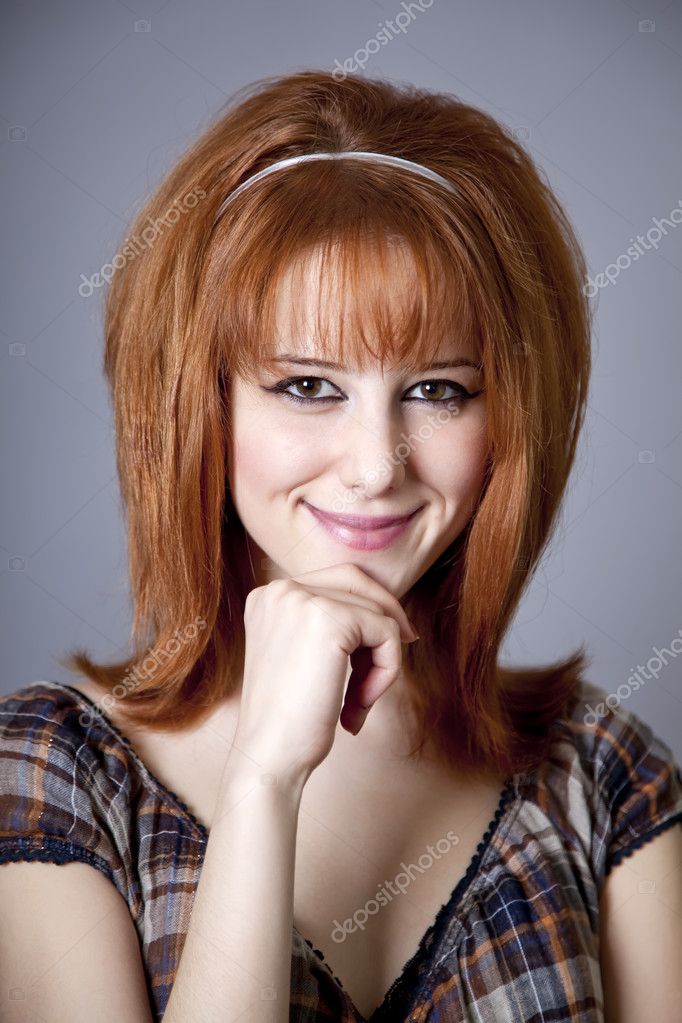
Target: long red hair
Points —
{"points": [[498, 260]]}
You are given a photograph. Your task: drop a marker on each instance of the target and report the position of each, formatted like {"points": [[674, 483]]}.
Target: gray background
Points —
{"points": [[99, 99]]}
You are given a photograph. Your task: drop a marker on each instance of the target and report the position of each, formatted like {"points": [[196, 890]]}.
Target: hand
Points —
{"points": [[300, 634]]}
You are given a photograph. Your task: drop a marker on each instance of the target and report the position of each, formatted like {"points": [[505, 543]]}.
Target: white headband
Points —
{"points": [[395, 161]]}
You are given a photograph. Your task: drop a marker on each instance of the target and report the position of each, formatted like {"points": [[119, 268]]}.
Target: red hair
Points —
{"points": [[498, 261]]}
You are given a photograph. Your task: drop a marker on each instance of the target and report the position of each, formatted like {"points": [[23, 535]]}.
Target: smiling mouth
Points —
{"points": [[364, 522], [376, 536]]}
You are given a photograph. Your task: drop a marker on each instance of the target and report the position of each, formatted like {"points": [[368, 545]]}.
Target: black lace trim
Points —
{"points": [[163, 789], [320, 955], [415, 971], [641, 840], [410, 981], [49, 849]]}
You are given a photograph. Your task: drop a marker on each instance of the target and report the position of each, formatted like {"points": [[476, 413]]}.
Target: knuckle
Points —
{"points": [[280, 589], [279, 585], [354, 571], [260, 596], [251, 599]]}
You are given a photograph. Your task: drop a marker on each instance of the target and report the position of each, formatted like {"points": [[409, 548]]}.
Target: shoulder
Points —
{"points": [[626, 776], [64, 784], [50, 731]]}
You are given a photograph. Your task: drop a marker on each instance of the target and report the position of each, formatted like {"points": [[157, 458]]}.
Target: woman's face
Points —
{"points": [[380, 448]]}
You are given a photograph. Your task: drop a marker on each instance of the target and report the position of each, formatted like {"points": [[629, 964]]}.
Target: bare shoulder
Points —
{"points": [[641, 932], [68, 946]]}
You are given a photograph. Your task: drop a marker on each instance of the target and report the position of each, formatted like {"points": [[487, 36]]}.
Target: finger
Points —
{"points": [[342, 596], [376, 667], [352, 580], [353, 713]]}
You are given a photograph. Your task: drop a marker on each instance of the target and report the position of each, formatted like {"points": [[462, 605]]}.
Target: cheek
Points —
{"points": [[453, 460], [268, 459]]}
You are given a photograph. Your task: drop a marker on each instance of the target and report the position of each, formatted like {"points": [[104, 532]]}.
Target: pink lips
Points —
{"points": [[362, 532]]}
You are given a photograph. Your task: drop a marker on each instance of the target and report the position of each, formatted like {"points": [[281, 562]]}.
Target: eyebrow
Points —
{"points": [[299, 361]]}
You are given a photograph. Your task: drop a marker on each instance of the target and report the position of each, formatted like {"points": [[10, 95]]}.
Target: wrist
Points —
{"points": [[248, 771]]}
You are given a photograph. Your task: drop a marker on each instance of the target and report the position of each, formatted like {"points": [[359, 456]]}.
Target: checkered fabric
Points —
{"points": [[516, 940]]}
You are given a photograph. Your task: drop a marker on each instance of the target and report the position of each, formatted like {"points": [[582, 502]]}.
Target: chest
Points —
{"points": [[370, 882], [379, 849]]}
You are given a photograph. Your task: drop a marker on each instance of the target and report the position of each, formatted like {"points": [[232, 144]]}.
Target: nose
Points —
{"points": [[372, 451]]}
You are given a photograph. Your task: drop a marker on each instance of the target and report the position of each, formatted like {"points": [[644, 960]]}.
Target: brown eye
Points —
{"points": [[308, 385], [310, 388], [433, 388], [434, 392]]}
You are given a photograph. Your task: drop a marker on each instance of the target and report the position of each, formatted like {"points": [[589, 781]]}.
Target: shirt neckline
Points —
{"points": [[415, 971], [125, 741], [409, 983]]}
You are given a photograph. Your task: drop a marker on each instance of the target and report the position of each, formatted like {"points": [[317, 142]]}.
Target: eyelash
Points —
{"points": [[281, 388]]}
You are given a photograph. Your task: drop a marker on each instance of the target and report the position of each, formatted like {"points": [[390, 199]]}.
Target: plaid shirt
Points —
{"points": [[516, 940]]}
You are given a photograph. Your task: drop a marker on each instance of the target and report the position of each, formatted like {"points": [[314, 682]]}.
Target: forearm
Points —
{"points": [[237, 953]]}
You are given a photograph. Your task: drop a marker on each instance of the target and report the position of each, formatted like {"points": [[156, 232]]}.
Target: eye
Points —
{"points": [[311, 386], [461, 393]]}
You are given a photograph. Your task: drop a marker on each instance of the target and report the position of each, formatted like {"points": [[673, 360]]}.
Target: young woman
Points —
{"points": [[349, 350]]}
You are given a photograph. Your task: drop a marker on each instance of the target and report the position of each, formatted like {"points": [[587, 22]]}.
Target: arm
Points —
{"points": [[237, 954], [300, 634], [641, 933], [69, 951], [237, 951]]}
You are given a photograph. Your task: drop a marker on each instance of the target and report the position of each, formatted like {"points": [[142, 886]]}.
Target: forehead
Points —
{"points": [[320, 302]]}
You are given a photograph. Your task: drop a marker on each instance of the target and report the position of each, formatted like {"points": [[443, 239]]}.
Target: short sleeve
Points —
{"points": [[61, 794], [638, 779]]}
